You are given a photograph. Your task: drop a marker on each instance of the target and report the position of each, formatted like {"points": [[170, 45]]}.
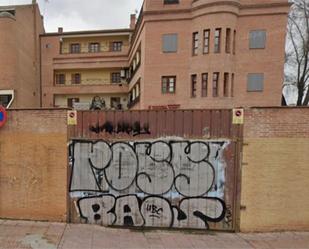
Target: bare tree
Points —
{"points": [[297, 52]]}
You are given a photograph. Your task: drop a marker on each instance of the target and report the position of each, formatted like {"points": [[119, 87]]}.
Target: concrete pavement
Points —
{"points": [[40, 235]]}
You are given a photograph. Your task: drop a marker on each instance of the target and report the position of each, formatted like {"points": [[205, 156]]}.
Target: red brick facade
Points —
{"points": [[240, 42], [20, 27], [219, 54]]}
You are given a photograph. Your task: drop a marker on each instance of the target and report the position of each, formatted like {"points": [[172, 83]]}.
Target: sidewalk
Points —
{"points": [[38, 235]]}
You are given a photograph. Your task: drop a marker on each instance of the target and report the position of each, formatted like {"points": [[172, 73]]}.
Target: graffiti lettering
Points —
{"points": [[96, 209], [159, 183], [157, 212], [228, 218], [134, 129]]}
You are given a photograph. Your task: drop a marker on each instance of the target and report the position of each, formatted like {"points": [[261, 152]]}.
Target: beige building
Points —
{"points": [[78, 66]]}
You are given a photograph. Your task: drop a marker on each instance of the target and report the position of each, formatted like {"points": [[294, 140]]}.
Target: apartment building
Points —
{"points": [[20, 27], [178, 54], [210, 54], [79, 68]]}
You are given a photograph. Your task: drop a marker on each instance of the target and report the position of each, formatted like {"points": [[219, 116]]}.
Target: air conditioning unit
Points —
{"points": [[123, 73]]}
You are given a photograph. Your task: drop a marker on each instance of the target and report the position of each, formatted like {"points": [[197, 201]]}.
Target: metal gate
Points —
{"points": [[171, 169]]}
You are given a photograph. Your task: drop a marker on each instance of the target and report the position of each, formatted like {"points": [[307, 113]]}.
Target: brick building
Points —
{"points": [[179, 54], [20, 27]]}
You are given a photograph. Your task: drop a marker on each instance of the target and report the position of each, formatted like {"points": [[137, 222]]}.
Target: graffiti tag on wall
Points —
{"points": [[159, 183], [134, 129]]}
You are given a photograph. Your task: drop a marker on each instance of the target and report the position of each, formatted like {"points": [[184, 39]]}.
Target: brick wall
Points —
{"points": [[20, 55], [33, 165], [275, 170]]}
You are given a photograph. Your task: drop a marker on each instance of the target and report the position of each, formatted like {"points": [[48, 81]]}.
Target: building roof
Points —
{"points": [[89, 32]]}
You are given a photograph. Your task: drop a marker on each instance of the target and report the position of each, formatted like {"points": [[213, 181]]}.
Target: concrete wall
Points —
{"points": [[275, 170], [33, 165]]}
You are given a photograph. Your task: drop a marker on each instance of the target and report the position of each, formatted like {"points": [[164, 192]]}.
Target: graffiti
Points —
{"points": [[161, 183], [157, 212], [96, 209], [122, 127], [228, 217], [153, 211]]}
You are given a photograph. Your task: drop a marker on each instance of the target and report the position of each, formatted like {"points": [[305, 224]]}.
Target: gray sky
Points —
{"points": [[84, 14]]}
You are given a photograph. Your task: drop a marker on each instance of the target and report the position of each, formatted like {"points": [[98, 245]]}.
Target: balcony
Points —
{"points": [[91, 86], [89, 62], [86, 51], [85, 59]]}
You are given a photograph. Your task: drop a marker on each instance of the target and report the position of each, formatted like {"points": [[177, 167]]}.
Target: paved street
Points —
{"points": [[39, 235]]}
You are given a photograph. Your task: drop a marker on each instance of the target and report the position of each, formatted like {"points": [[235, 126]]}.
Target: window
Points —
{"points": [[228, 41], [255, 82], [137, 87], [168, 84], [171, 1], [217, 40], [226, 85], [169, 43], [5, 100], [60, 79], [234, 42], [76, 78], [75, 48], [195, 43], [193, 85], [71, 102], [232, 85], [215, 85], [134, 65], [134, 95], [94, 47], [257, 39], [204, 84], [135, 92], [116, 46], [116, 77], [10, 13], [137, 57], [206, 41]]}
